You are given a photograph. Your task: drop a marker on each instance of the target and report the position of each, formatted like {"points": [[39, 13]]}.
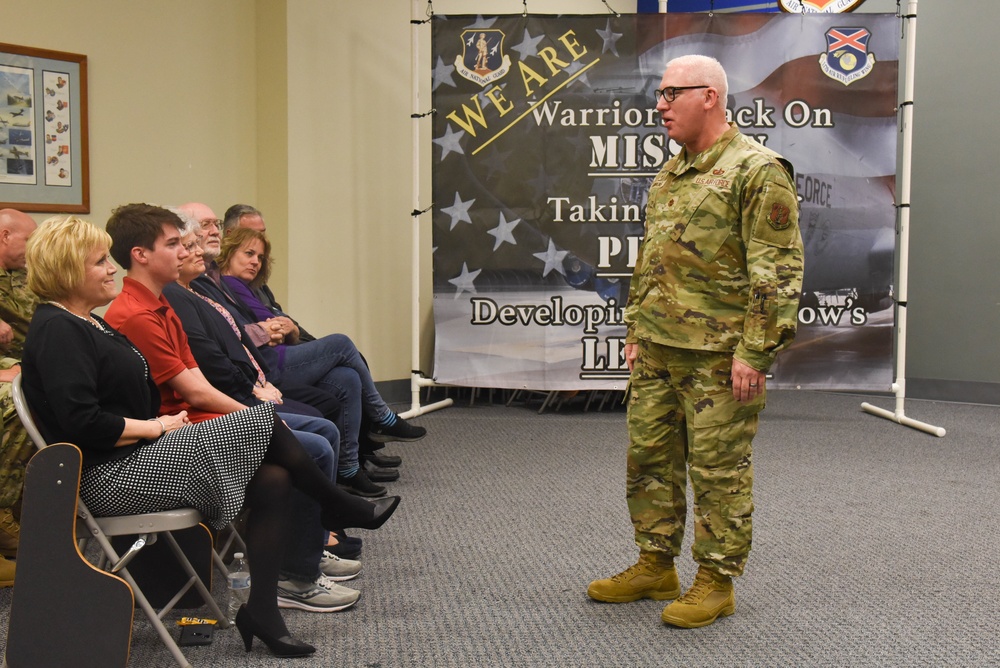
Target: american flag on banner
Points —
{"points": [[545, 141]]}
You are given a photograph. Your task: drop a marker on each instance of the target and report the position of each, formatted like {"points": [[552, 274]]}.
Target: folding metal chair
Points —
{"points": [[149, 527]]}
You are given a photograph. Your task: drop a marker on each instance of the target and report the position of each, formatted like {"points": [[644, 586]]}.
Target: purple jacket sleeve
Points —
{"points": [[249, 299]]}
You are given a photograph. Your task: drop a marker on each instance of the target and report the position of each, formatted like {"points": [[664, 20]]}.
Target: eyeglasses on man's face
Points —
{"points": [[669, 94], [209, 222]]}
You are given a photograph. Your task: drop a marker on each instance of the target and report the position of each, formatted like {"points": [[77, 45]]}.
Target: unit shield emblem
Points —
{"points": [[847, 58], [482, 59]]}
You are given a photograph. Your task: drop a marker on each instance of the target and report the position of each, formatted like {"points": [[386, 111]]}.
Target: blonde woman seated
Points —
{"points": [[89, 386]]}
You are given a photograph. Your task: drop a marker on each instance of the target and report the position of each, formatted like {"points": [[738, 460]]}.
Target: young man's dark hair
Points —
{"points": [[132, 225]]}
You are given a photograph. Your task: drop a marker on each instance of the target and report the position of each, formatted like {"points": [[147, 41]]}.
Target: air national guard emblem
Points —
{"points": [[847, 58], [818, 6], [482, 60]]}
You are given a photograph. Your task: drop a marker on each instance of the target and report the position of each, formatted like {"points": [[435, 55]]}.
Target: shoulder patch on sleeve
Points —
{"points": [[780, 217], [776, 222]]}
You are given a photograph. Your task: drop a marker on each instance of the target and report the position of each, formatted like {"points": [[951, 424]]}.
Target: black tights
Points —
{"points": [[267, 497], [286, 465]]}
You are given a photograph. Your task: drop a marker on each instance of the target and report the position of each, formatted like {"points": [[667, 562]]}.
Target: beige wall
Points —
{"points": [[272, 135], [161, 78]]}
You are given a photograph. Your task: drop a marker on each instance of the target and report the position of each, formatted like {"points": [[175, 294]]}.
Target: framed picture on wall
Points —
{"points": [[44, 159]]}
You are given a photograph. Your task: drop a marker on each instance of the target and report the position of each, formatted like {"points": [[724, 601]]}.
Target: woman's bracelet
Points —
{"points": [[163, 427]]}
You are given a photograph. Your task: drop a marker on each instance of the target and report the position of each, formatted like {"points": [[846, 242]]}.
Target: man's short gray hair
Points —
{"points": [[708, 70], [235, 213]]}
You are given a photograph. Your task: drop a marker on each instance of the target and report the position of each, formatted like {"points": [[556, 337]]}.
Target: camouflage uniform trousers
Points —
{"points": [[16, 449], [683, 418]]}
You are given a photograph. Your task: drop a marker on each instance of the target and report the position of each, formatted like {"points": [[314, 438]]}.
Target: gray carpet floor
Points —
{"points": [[874, 545]]}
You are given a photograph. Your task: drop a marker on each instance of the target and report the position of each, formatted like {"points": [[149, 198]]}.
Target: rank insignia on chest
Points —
{"points": [[780, 216]]}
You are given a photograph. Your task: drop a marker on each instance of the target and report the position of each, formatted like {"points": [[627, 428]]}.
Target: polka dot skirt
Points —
{"points": [[205, 466]]}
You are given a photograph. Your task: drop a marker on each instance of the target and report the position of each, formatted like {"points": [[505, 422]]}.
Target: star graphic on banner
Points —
{"points": [[504, 232], [529, 47], [609, 37], [572, 69], [496, 161], [442, 74], [552, 258], [481, 23], [459, 211], [464, 282], [449, 142]]}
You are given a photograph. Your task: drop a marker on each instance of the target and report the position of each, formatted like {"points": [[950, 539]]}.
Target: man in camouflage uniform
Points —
{"points": [[17, 305], [713, 298]]}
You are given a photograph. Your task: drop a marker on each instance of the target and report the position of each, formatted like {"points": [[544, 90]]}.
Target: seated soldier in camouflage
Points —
{"points": [[17, 305]]}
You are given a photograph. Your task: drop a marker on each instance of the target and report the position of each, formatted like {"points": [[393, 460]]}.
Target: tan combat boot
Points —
{"points": [[6, 573], [710, 596], [654, 576], [10, 533]]}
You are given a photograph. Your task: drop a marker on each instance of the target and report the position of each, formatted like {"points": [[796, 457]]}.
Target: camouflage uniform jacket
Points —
{"points": [[17, 305], [720, 265]]}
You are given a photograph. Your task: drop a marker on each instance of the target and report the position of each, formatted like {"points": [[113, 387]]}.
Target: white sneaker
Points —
{"points": [[317, 596], [338, 569], [335, 588]]}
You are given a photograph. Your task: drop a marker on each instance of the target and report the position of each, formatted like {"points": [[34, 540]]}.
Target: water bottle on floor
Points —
{"points": [[239, 585]]}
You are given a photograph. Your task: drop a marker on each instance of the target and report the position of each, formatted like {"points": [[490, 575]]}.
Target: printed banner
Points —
{"points": [[545, 142]]}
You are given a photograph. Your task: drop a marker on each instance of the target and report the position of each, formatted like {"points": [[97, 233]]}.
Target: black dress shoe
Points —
{"points": [[347, 547], [284, 646], [344, 551], [384, 461], [384, 508], [375, 514], [400, 430], [342, 537], [377, 474], [360, 485]]}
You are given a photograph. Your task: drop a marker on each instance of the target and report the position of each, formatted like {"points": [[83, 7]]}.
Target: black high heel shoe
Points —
{"points": [[358, 513], [286, 646]]}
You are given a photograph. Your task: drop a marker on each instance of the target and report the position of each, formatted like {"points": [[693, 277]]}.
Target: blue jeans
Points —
{"points": [[334, 364], [306, 536]]}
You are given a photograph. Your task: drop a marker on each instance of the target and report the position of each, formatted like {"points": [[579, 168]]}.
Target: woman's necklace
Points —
{"points": [[86, 319], [96, 323]]}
